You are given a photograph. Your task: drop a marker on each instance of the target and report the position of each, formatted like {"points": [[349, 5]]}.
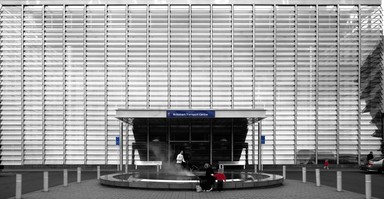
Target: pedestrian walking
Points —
{"points": [[180, 159]]}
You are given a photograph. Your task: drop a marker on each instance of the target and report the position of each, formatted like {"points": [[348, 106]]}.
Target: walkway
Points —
{"points": [[291, 189]]}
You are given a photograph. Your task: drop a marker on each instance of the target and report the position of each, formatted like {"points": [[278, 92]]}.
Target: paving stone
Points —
{"points": [[292, 189]]}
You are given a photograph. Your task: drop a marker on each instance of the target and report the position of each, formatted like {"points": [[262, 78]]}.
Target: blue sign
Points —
{"points": [[117, 140], [263, 139], [190, 114]]}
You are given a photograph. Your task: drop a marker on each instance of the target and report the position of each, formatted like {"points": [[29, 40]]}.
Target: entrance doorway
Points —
{"points": [[192, 136], [202, 139], [195, 153]]}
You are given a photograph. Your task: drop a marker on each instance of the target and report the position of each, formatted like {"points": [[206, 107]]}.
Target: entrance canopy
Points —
{"points": [[126, 115], [229, 144]]}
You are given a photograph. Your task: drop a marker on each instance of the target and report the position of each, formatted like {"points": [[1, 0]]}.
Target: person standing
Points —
{"points": [[220, 177], [180, 159], [326, 164]]}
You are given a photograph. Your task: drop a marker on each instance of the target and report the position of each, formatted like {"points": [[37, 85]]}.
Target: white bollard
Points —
{"points": [[339, 181], [304, 175], [157, 168], [284, 172], [368, 187], [318, 177], [45, 181], [65, 177], [78, 174], [118, 168], [18, 186], [98, 172]]}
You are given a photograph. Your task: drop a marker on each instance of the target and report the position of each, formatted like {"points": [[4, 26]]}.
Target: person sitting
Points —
{"points": [[369, 157], [207, 181]]}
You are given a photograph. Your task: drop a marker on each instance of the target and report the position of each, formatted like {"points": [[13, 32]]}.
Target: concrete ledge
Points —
{"points": [[256, 180]]}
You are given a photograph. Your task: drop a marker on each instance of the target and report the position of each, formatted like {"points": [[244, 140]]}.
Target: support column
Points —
{"points": [[148, 129], [253, 146], [121, 146], [130, 122], [210, 142], [168, 140], [359, 93], [259, 159], [232, 145]]}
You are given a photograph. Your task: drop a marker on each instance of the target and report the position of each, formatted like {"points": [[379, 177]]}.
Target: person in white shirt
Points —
{"points": [[180, 159]]}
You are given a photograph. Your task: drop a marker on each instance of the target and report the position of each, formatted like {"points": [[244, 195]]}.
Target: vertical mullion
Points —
{"points": [[317, 86], [64, 86], [232, 140], [168, 139], [147, 59], [129, 123], [296, 86], [85, 80], [169, 55], [253, 61], [148, 129], [190, 132], [126, 57], [359, 91], [253, 145], [1, 68], [190, 56], [274, 82], [211, 58], [43, 83], [253, 87], [210, 141], [105, 84], [22, 85], [338, 88], [232, 61]]}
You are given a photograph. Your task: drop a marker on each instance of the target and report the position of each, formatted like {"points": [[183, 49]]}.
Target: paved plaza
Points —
{"points": [[292, 189]]}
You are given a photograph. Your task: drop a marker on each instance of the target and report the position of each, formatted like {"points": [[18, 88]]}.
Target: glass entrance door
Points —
{"points": [[176, 147], [195, 153], [192, 136], [200, 153]]}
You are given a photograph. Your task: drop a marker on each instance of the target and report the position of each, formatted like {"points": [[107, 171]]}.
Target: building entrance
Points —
{"points": [[202, 139], [195, 153], [214, 135]]}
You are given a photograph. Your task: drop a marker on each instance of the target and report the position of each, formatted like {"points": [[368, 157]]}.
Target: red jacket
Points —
{"points": [[220, 176]]}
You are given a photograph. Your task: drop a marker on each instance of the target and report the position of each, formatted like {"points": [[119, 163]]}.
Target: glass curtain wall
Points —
{"points": [[65, 69]]}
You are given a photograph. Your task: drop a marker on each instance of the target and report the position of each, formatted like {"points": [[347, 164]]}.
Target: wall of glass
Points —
{"points": [[65, 69]]}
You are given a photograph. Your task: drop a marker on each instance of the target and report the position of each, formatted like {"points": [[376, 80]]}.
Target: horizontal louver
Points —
{"points": [[315, 69]]}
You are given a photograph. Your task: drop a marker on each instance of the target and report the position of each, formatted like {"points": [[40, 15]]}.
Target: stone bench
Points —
{"points": [[149, 163], [231, 163]]}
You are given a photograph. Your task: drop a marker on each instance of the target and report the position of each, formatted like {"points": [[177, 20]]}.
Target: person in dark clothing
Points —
{"points": [[208, 180], [369, 156]]}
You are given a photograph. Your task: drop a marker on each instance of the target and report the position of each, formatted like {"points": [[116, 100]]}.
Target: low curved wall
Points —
{"points": [[125, 180]]}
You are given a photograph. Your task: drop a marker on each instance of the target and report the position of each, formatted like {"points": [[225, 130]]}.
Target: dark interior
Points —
{"points": [[166, 137]]}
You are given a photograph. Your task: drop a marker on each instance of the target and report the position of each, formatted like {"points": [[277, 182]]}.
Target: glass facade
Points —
{"points": [[65, 69]]}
